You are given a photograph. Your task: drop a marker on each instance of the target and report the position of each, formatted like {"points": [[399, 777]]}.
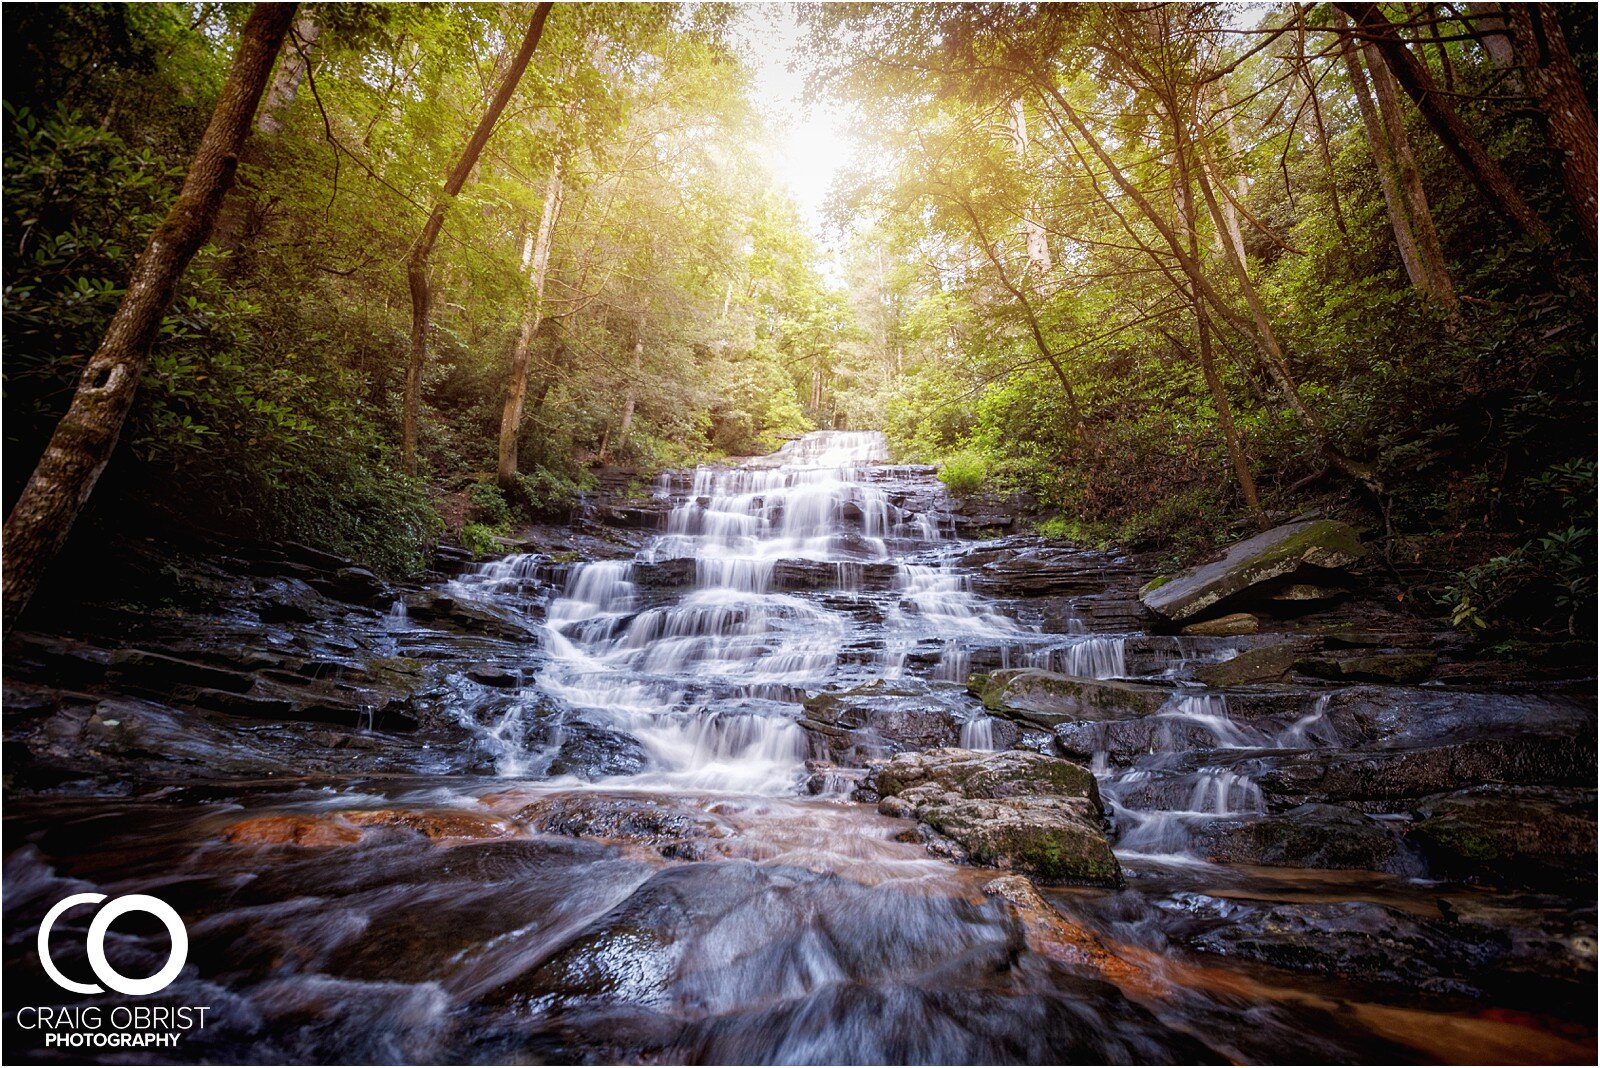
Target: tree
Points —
{"points": [[87, 435], [536, 264], [422, 249], [1435, 106], [1552, 77], [1409, 214]]}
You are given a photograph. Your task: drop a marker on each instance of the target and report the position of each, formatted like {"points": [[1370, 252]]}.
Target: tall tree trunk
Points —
{"points": [[1474, 159], [1388, 172], [1401, 180], [1208, 368], [1037, 242], [1035, 328], [1234, 232], [632, 400], [1310, 83], [536, 266], [1554, 80], [86, 437], [1489, 25], [241, 214], [417, 264], [285, 85]]}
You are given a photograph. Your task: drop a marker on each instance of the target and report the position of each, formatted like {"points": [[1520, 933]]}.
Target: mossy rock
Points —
{"points": [[1265, 664], [1319, 543], [1045, 698]]}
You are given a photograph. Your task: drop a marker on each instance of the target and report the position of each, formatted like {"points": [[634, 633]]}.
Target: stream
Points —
{"points": [[629, 843]]}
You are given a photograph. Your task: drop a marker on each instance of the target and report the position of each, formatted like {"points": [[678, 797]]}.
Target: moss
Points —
{"points": [[1155, 584]]}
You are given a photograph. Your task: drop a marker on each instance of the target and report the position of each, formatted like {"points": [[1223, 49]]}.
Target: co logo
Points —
{"points": [[97, 943]]}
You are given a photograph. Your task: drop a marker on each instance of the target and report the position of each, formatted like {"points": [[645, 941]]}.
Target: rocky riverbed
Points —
{"points": [[802, 760]]}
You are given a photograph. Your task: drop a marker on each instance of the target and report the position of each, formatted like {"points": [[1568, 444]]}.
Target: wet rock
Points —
{"points": [[311, 831], [1404, 668], [356, 585], [1045, 699], [1322, 543], [1302, 592], [1312, 836], [886, 717], [1357, 940], [1517, 836], [1263, 664], [494, 675], [1236, 623], [1051, 935], [590, 752], [1018, 810], [1387, 776], [678, 571], [328, 829], [674, 828], [289, 600]]}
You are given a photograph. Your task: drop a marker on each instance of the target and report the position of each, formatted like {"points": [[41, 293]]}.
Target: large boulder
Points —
{"points": [[883, 717], [1046, 699], [1322, 543], [1514, 835], [1017, 810]]}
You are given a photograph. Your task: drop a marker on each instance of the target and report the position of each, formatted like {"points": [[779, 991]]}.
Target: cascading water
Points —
{"points": [[709, 682]]}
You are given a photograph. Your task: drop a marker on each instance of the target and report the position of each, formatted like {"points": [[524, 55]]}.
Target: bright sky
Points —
{"points": [[810, 147]]}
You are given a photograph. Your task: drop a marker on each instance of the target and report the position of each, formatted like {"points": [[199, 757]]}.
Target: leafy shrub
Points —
{"points": [[964, 472], [479, 539], [489, 504]]}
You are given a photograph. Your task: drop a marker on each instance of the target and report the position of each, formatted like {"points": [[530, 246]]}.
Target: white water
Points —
{"points": [[709, 683]]}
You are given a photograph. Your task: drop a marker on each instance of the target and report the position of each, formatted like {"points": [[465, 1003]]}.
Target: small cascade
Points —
{"points": [[978, 733], [1092, 658], [1310, 730], [1161, 801]]}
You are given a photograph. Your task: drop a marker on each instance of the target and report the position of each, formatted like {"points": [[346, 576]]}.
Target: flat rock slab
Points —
{"points": [[1045, 699], [1016, 810], [1324, 543]]}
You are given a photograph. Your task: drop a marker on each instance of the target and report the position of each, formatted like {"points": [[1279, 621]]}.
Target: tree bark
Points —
{"points": [[1489, 25], [241, 215], [1401, 180], [1036, 241], [536, 265], [86, 437], [1553, 78], [632, 400], [285, 85], [1474, 159], [417, 263], [1208, 368], [1388, 172]]}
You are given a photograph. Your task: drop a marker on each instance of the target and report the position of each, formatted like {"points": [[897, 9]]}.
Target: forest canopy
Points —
{"points": [[1171, 271]]}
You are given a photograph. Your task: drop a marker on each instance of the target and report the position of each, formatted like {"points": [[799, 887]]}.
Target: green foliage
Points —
{"points": [[489, 504], [479, 539], [964, 472]]}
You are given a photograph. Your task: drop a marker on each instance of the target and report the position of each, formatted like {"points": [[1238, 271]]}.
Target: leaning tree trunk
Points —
{"points": [[536, 263], [1554, 81], [1435, 106], [417, 264], [87, 435], [1208, 367], [241, 214], [1400, 179], [1488, 22]]}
